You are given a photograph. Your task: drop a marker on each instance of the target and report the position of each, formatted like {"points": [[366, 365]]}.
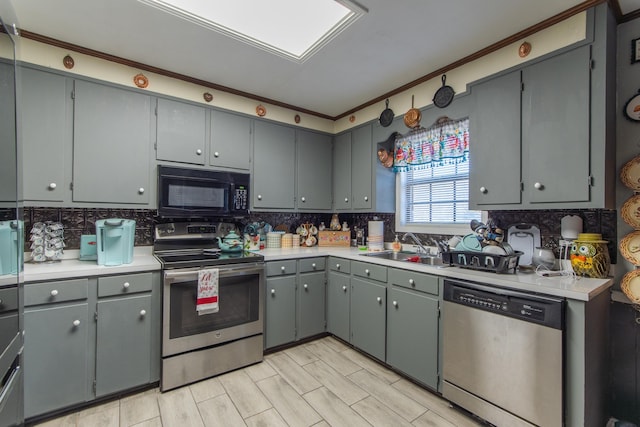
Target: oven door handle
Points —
{"points": [[225, 271]]}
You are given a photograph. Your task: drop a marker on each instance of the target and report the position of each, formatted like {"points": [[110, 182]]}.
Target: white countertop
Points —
{"points": [[578, 288], [71, 266]]}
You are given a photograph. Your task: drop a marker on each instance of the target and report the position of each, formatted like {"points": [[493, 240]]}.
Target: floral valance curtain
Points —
{"points": [[445, 142]]}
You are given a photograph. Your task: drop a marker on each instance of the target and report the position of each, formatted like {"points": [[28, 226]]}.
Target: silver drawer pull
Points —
{"points": [[143, 313], [141, 190], [76, 322], [305, 286], [483, 190], [126, 285], [313, 265], [344, 288], [366, 271], [52, 186], [302, 199], [395, 303], [54, 292], [216, 154], [282, 268], [337, 266], [346, 200], [366, 198], [412, 282], [198, 151]]}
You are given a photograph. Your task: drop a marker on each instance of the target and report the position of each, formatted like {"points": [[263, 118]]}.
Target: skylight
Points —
{"points": [[294, 29]]}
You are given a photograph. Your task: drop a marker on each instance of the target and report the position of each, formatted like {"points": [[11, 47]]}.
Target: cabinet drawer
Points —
{"points": [[340, 265], [8, 299], [370, 271], [312, 264], [124, 284], [412, 280], [280, 268], [50, 292]]}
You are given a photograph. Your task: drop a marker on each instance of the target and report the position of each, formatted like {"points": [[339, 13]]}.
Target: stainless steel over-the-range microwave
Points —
{"points": [[201, 193]]}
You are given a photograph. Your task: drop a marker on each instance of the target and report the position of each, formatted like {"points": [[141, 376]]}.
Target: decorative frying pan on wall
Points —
{"points": [[444, 95], [386, 117]]}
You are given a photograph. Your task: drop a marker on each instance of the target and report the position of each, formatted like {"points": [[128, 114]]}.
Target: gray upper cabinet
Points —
{"points": [[8, 164], [361, 168], [342, 172], [495, 148], [111, 145], [230, 145], [181, 132], [46, 100], [313, 171], [274, 169], [555, 128]]}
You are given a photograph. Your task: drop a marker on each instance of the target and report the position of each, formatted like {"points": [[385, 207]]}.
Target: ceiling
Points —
{"points": [[395, 43]]}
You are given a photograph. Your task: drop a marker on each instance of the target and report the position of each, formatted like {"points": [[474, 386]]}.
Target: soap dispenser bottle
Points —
{"points": [[396, 246]]}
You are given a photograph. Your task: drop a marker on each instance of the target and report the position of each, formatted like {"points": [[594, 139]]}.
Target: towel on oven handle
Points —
{"points": [[207, 299]]}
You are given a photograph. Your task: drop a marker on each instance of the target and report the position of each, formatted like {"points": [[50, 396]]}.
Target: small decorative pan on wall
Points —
{"points": [[444, 95]]}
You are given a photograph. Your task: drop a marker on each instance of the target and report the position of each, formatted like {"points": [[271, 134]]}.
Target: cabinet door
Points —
{"points": [[55, 358], [412, 335], [230, 141], [555, 128], [368, 317], [494, 128], [46, 101], [342, 199], [311, 304], [280, 311], [8, 163], [111, 145], [274, 179], [314, 171], [123, 349], [361, 167], [181, 132], [338, 296]]}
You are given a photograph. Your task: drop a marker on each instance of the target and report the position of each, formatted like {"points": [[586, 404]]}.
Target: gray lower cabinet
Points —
{"points": [[413, 325], [368, 308], [311, 303], [273, 177], [181, 132], [89, 338], [280, 308], [56, 351], [46, 148], [339, 297], [112, 145]]}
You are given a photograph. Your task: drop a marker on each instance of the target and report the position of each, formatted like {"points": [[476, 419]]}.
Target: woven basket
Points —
{"points": [[631, 286]]}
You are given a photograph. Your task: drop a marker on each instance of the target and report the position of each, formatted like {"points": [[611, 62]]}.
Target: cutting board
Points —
{"points": [[525, 238]]}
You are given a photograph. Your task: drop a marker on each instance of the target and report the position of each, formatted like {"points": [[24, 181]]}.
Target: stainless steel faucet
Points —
{"points": [[416, 240]]}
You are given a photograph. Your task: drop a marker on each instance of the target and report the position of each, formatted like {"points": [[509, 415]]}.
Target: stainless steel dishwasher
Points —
{"points": [[503, 354]]}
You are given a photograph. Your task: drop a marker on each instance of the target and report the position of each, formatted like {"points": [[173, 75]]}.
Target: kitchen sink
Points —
{"points": [[407, 256]]}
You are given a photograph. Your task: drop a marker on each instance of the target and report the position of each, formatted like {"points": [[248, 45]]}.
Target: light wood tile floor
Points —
{"points": [[320, 383]]}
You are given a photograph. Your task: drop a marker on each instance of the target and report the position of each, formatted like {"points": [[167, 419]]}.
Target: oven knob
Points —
{"points": [[143, 313], [125, 285], [76, 322], [54, 292], [305, 286]]}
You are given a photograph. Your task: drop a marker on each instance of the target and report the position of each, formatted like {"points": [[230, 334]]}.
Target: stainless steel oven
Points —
{"points": [[197, 346]]}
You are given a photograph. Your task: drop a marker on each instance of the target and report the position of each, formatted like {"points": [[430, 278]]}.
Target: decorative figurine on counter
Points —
{"points": [[590, 256], [334, 225], [321, 227], [345, 227]]}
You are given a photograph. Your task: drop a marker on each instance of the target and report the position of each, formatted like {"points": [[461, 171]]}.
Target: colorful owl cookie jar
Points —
{"points": [[590, 256]]}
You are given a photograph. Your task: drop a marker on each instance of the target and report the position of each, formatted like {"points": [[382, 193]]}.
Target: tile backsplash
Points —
{"points": [[78, 221]]}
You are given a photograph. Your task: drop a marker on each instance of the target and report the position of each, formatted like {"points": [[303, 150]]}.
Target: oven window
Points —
{"points": [[238, 304]]}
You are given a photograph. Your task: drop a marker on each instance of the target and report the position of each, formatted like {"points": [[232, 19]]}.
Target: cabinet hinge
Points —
{"points": [[590, 181], [95, 385], [521, 186], [521, 86], [71, 186], [73, 94], [439, 312], [592, 64], [155, 111], [95, 316]]}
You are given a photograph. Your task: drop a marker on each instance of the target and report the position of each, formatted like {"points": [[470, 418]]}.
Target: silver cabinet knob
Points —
{"points": [[54, 292], [273, 291], [199, 152], [366, 271], [282, 268], [216, 154], [337, 266], [412, 282], [395, 303], [143, 313], [0, 302], [259, 196], [366, 198], [126, 285], [305, 286], [52, 186], [313, 265], [346, 200], [302, 199], [344, 288], [76, 322], [483, 190], [379, 299], [141, 190], [538, 186]]}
